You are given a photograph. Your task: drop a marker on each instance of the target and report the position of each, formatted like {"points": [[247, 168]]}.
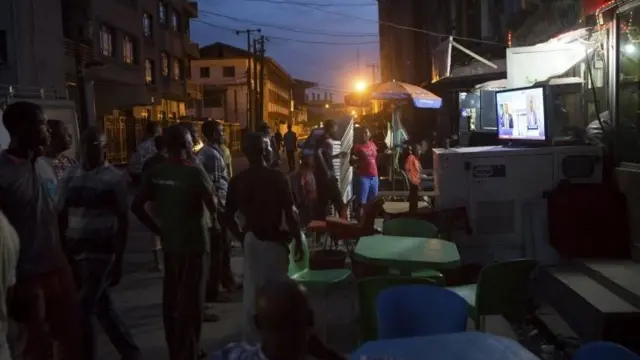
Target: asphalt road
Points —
{"points": [[138, 299]]}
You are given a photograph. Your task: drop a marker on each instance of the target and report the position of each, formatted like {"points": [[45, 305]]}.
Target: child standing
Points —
{"points": [[413, 169]]}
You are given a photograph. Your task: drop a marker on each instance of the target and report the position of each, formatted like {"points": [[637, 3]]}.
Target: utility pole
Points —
{"points": [[256, 94], [358, 60], [373, 67], [249, 80], [80, 21], [261, 51]]}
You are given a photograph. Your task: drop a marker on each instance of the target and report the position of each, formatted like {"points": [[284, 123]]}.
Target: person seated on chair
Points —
{"points": [[284, 319]]}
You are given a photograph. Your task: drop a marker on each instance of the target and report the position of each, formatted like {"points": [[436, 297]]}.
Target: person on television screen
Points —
{"points": [[532, 115], [507, 119]]}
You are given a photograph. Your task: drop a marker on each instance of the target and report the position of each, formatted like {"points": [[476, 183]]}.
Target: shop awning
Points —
{"points": [[443, 72]]}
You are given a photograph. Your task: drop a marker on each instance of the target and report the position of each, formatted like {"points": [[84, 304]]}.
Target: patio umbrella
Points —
{"points": [[399, 92], [395, 90]]}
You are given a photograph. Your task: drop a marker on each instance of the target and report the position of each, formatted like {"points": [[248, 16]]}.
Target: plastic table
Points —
{"points": [[407, 254], [458, 346]]}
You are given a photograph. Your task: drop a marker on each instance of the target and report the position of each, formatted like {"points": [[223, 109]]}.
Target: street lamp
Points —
{"points": [[360, 86]]}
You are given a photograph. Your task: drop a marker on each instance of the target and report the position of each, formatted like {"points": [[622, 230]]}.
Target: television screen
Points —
{"points": [[520, 114]]}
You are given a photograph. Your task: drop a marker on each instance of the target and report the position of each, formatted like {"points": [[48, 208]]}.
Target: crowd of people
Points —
{"points": [[64, 227]]}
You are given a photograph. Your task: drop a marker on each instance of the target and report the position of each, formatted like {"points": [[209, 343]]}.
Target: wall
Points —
{"points": [[236, 88], [35, 44]]}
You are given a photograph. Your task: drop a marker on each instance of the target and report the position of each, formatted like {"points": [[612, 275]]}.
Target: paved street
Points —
{"points": [[139, 300]]}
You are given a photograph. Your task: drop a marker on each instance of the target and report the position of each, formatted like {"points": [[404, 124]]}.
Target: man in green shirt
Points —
{"points": [[184, 202]]}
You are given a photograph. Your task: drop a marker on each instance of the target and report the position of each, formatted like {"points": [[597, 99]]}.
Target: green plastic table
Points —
{"points": [[407, 254]]}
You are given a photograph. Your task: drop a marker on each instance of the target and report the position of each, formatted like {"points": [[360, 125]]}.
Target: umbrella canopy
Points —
{"points": [[402, 91]]}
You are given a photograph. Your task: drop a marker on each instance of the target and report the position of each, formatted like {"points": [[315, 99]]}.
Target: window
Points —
{"points": [[128, 53], [212, 98], [3, 47], [164, 62], [162, 13], [204, 72], [229, 71], [177, 69], [147, 25], [175, 20], [149, 71], [106, 40], [627, 131]]}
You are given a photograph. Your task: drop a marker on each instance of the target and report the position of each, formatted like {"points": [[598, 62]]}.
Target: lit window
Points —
{"points": [[176, 69], [147, 23], [175, 20], [164, 61], [162, 13], [106, 40], [148, 71], [127, 50]]}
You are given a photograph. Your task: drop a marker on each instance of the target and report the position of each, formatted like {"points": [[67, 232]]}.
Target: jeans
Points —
{"points": [[328, 194], [183, 302], [367, 189], [95, 300], [291, 159]]}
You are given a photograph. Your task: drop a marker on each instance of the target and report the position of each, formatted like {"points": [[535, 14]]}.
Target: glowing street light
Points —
{"points": [[326, 106], [360, 86]]}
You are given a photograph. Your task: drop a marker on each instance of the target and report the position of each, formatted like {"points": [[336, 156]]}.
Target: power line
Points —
{"points": [[292, 40], [301, 3], [401, 26], [287, 28]]}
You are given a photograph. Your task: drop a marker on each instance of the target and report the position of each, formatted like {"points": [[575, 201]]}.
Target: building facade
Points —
{"points": [[406, 55], [145, 50], [32, 43], [221, 74]]}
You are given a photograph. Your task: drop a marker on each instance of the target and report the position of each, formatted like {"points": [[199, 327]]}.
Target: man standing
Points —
{"points": [[9, 251], [277, 137], [266, 254], [185, 202], [94, 215], [43, 300], [158, 158], [144, 151], [263, 128], [212, 159], [290, 141], [61, 141], [327, 184]]}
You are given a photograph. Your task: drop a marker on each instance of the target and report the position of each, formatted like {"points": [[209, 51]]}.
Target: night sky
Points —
{"points": [[312, 23]]}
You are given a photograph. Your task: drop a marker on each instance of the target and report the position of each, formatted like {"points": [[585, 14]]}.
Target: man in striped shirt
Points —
{"points": [[94, 214], [144, 151]]}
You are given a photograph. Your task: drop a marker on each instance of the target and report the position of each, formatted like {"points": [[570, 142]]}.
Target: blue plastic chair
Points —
{"points": [[603, 350], [420, 310]]}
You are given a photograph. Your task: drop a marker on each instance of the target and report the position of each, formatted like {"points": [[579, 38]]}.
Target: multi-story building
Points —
{"points": [[406, 55], [221, 76], [145, 49], [135, 53], [300, 108], [31, 43]]}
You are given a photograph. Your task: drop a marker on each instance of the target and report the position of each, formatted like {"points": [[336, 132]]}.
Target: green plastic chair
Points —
{"points": [[501, 287], [368, 290], [324, 280], [408, 227]]}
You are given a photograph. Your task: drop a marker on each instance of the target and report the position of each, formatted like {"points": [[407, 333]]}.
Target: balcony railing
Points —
{"points": [[86, 51], [191, 8]]}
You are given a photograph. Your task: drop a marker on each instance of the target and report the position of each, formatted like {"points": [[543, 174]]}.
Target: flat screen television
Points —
{"points": [[522, 115]]}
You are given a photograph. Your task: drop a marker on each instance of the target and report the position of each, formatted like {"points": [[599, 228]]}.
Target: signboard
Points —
{"points": [[489, 171]]}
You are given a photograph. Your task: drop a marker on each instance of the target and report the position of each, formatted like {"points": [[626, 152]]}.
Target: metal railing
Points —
{"points": [[10, 92]]}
